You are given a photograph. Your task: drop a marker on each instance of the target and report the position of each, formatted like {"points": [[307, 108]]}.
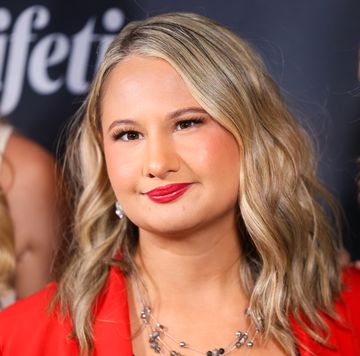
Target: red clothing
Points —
{"points": [[28, 329]]}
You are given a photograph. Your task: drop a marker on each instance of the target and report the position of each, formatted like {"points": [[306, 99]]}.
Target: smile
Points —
{"points": [[168, 192]]}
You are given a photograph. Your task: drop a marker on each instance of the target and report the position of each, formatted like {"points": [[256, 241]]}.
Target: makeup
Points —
{"points": [[168, 193]]}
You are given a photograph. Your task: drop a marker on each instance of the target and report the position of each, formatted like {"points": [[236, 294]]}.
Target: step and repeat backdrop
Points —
{"points": [[49, 51]]}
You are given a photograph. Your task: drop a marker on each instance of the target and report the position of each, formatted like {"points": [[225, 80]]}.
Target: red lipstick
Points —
{"points": [[168, 193]]}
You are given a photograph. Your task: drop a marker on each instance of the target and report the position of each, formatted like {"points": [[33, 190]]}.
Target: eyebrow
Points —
{"points": [[172, 115], [119, 122], [180, 112]]}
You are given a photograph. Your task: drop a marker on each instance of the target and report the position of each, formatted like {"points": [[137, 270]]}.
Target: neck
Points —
{"points": [[191, 265]]}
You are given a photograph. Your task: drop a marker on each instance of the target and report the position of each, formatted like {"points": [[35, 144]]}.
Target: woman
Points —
{"points": [[221, 245], [7, 256], [28, 219]]}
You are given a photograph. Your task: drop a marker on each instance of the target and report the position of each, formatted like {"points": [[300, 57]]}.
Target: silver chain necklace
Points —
{"points": [[158, 334]]}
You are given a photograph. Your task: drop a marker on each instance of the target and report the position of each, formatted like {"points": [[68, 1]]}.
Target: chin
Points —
{"points": [[173, 229]]}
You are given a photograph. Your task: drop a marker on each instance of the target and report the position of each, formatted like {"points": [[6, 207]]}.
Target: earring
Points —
{"points": [[118, 210]]}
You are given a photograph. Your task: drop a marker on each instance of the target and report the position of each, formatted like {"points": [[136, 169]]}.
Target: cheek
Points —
{"points": [[219, 155], [119, 168]]}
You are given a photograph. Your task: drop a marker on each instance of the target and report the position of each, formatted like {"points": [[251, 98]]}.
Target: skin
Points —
{"points": [[188, 251], [28, 180]]}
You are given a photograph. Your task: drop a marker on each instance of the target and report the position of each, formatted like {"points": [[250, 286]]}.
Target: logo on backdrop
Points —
{"points": [[24, 56]]}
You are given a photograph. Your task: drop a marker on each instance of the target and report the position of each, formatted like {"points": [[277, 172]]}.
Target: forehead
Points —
{"points": [[144, 83]]}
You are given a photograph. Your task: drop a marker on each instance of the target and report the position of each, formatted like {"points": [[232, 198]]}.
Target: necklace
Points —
{"points": [[158, 334]]}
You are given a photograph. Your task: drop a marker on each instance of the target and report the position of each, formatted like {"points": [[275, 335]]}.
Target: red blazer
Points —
{"points": [[28, 329]]}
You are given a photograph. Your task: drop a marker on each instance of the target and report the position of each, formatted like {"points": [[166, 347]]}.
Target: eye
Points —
{"points": [[128, 135], [185, 124]]}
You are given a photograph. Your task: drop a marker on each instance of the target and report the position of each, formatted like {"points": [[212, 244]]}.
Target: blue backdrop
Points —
{"points": [[49, 51]]}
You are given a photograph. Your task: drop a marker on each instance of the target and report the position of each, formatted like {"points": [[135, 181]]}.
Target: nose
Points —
{"points": [[161, 157]]}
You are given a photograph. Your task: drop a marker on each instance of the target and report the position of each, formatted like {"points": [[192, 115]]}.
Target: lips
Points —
{"points": [[168, 193]]}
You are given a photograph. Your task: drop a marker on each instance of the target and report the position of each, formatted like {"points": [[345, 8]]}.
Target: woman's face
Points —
{"points": [[172, 167]]}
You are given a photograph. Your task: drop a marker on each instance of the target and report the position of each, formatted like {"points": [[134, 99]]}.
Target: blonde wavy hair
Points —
{"points": [[7, 245], [289, 262]]}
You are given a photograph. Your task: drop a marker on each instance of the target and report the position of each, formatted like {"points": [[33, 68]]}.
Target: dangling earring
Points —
{"points": [[118, 211]]}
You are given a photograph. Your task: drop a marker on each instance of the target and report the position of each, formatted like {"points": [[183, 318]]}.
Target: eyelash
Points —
{"points": [[122, 133], [119, 135], [193, 121]]}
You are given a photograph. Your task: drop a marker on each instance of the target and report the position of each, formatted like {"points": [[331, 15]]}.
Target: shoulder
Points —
{"points": [[34, 307], [28, 179], [37, 306], [26, 158], [19, 144], [348, 304], [27, 164], [30, 327], [344, 330], [351, 280]]}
